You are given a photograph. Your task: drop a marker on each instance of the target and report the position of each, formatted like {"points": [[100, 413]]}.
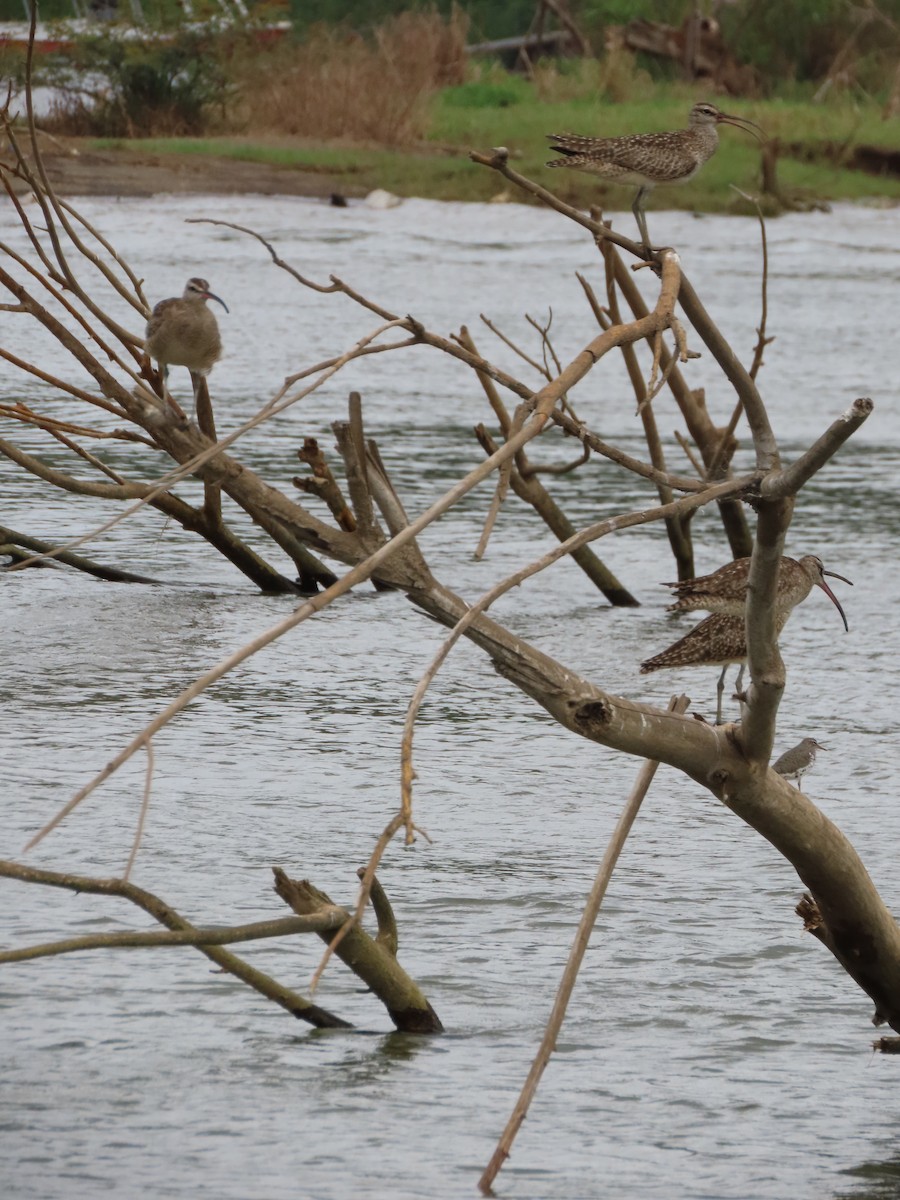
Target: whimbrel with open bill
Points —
{"points": [[182, 332], [720, 639], [648, 159], [725, 591]]}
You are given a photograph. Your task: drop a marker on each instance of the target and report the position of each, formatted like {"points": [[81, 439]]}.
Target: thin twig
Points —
{"points": [[540, 368], [626, 819], [592, 533], [761, 340], [142, 815]]}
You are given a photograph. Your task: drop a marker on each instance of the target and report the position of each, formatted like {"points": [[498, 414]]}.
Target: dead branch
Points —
{"points": [[370, 959], [471, 621], [13, 538], [573, 964], [764, 440], [322, 921], [533, 492], [384, 914], [324, 484], [287, 999], [678, 531], [790, 481], [516, 349]]}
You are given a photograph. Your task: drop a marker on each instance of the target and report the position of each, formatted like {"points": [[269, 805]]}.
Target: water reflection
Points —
{"points": [[880, 1180]]}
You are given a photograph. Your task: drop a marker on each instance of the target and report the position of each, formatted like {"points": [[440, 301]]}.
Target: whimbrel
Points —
{"points": [[720, 639], [794, 763], [182, 332], [648, 159], [725, 590]]}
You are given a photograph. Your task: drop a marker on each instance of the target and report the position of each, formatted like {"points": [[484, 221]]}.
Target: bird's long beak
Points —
{"points": [[834, 575], [212, 296], [832, 597], [743, 123]]}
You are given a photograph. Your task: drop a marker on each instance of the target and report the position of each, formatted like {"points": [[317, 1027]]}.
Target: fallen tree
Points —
{"points": [[369, 533]]}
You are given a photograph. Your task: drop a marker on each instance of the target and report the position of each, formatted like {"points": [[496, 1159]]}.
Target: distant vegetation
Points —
{"points": [[784, 39], [399, 103]]}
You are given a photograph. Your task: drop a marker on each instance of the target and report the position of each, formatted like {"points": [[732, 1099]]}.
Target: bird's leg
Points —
{"points": [[720, 688], [163, 376], [203, 406], [638, 209], [164, 380], [167, 395], [739, 694]]}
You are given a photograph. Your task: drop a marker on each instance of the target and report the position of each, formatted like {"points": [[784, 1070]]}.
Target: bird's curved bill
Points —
{"points": [[744, 123], [833, 598], [213, 296]]}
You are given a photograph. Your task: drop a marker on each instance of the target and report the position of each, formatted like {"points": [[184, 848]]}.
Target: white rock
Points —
{"points": [[382, 199]]}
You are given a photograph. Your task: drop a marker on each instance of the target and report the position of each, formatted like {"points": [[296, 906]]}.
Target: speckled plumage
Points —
{"points": [[647, 159], [794, 763], [182, 332], [717, 641], [725, 590], [720, 639], [644, 158]]}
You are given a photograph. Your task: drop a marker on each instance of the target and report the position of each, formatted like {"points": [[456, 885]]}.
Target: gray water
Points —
{"points": [[711, 1050]]}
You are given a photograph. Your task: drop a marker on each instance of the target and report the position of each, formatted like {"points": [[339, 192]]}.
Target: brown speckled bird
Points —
{"points": [[725, 590], [794, 763], [648, 159], [182, 332], [718, 641]]}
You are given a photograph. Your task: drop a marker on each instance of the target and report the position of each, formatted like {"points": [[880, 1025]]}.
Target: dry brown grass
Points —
{"points": [[337, 84]]}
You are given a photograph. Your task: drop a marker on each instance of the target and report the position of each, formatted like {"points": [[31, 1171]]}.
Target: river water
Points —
{"points": [[712, 1050]]}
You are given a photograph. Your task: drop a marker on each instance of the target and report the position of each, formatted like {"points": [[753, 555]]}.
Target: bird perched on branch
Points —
{"points": [[717, 641], [725, 590], [720, 640], [648, 159], [182, 332]]}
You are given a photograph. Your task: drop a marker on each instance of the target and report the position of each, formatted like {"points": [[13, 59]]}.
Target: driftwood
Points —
{"points": [[731, 762], [21, 549], [697, 45], [530, 489], [294, 1003], [374, 960]]}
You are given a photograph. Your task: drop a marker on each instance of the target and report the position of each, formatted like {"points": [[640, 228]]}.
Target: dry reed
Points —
{"points": [[338, 84]]}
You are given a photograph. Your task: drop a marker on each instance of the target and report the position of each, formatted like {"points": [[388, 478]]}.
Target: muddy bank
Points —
{"points": [[74, 169]]}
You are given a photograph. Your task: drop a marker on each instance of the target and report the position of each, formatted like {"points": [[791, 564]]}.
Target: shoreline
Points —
{"points": [[77, 167], [80, 170]]}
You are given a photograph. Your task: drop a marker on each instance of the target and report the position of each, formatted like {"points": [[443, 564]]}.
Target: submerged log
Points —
{"points": [[368, 958]]}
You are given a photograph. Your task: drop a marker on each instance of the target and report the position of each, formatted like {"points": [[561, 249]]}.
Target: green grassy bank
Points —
{"points": [[480, 115]]}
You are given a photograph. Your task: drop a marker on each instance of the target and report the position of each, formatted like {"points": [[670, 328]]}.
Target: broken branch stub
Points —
{"points": [[369, 959]]}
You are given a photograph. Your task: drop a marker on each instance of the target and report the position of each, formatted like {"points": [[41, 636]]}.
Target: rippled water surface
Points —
{"points": [[711, 1051]]}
